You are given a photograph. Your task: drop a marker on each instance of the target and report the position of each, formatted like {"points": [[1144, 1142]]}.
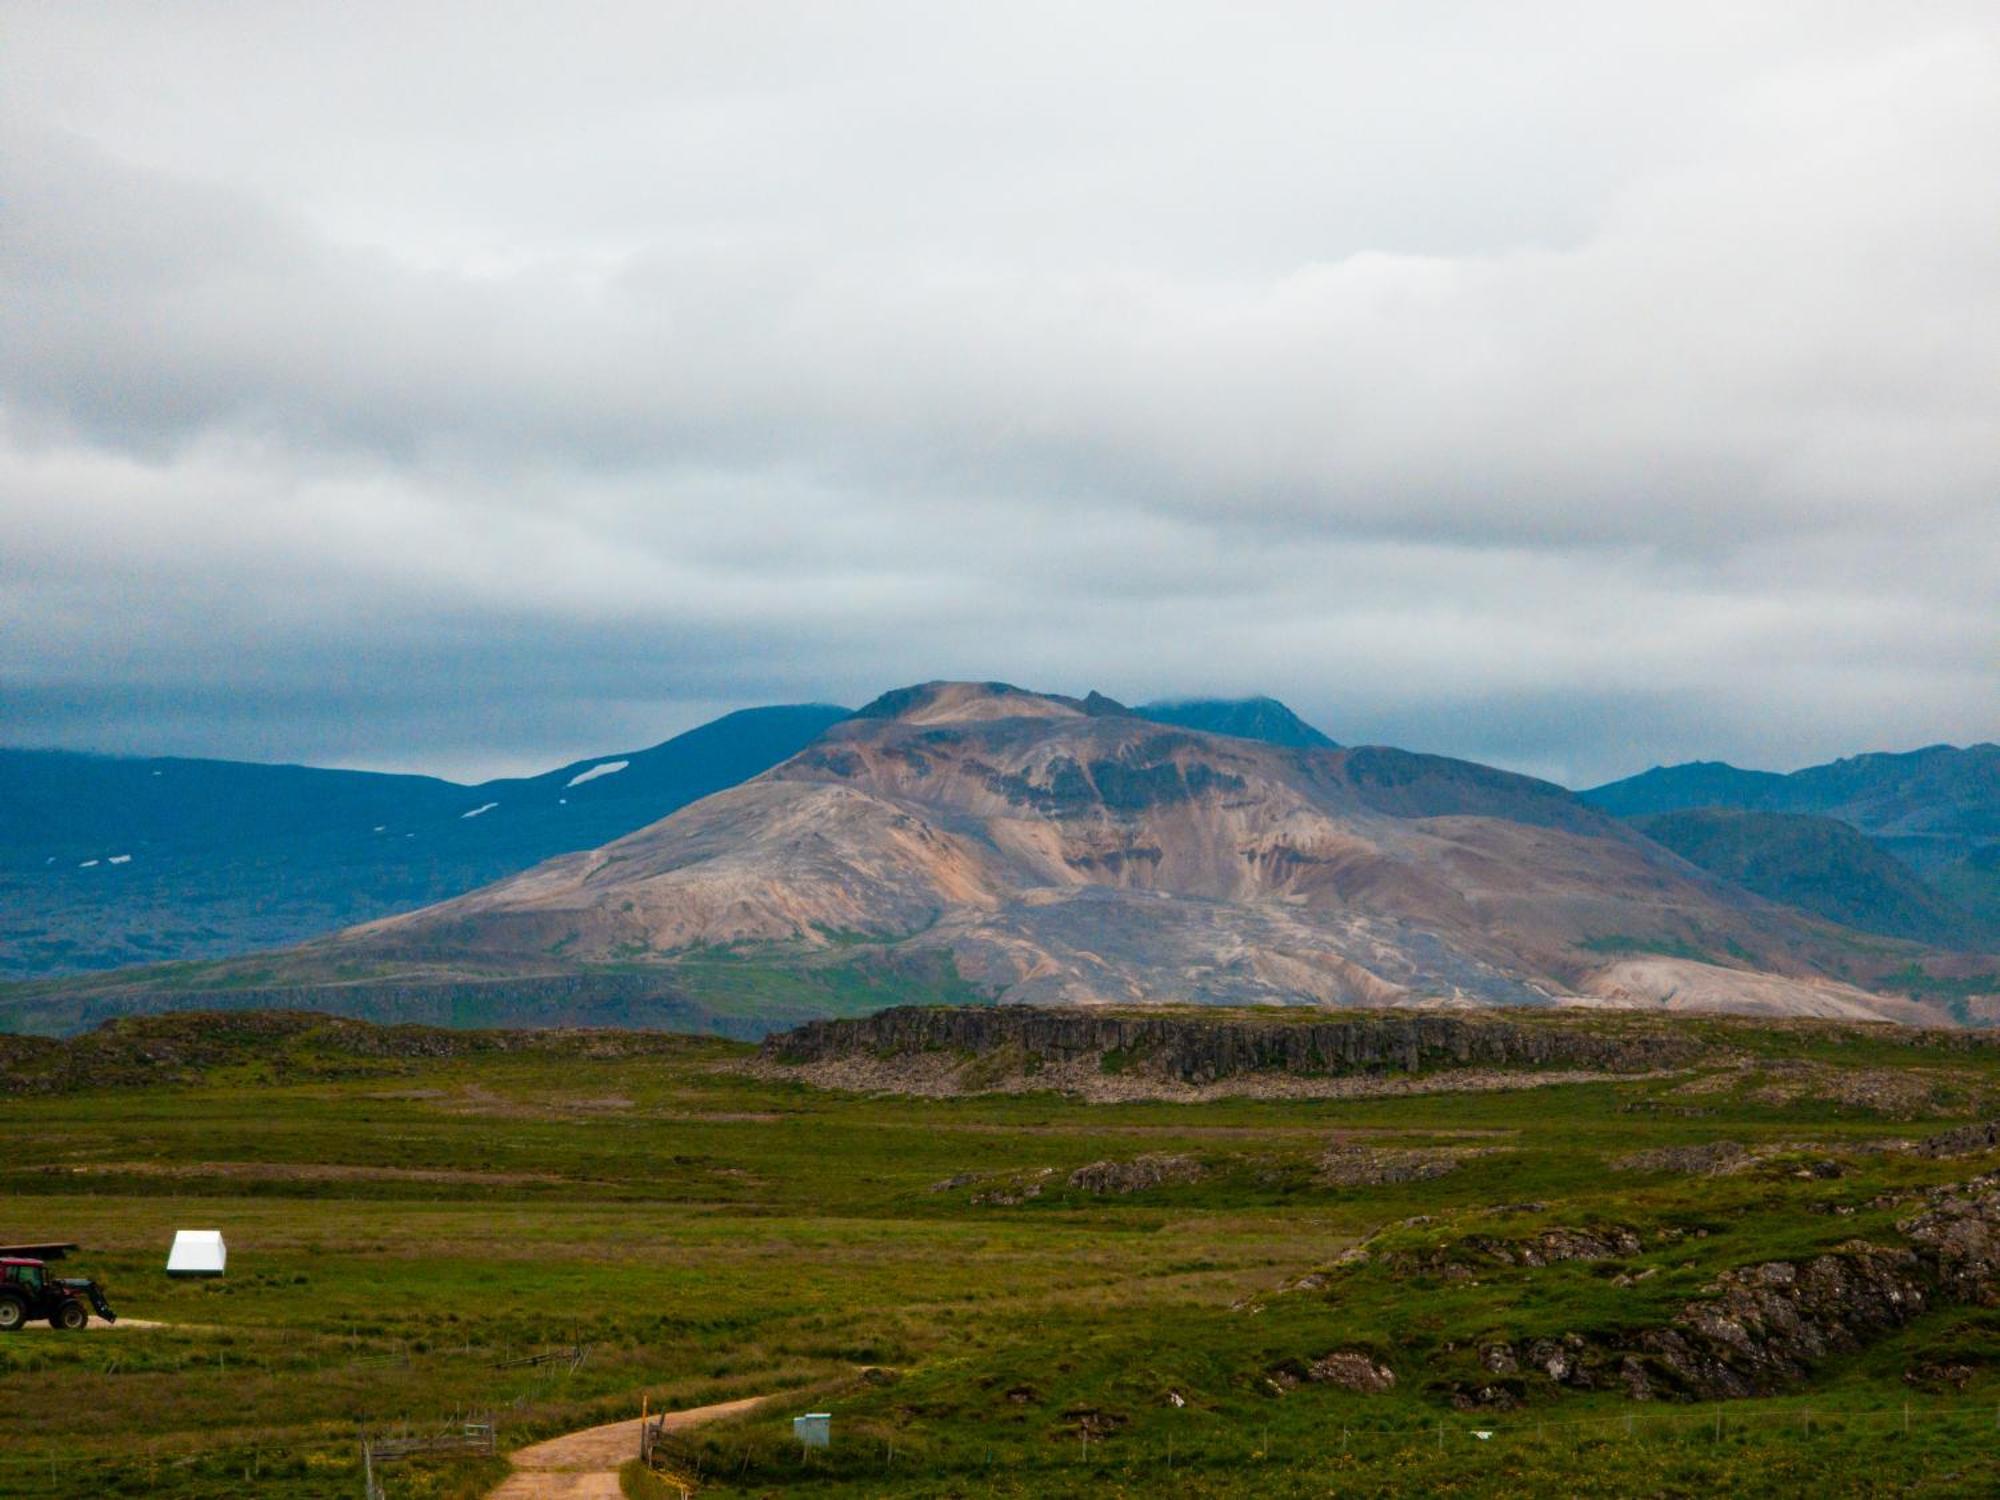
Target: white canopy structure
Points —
{"points": [[197, 1252]]}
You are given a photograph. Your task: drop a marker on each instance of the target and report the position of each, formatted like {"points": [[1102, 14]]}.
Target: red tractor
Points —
{"points": [[28, 1291]]}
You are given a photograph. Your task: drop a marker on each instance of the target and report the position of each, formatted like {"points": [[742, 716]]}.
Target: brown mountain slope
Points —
{"points": [[1059, 850]]}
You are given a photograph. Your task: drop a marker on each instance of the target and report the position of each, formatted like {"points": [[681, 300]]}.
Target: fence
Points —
{"points": [[1713, 1420], [1575, 1445], [666, 1453], [472, 1440], [65, 1471], [571, 1355], [475, 1439], [1706, 1424], [652, 1432]]}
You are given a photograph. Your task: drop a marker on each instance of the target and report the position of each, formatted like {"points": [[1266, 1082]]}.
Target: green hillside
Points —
{"points": [[1820, 865], [116, 860], [1936, 811]]}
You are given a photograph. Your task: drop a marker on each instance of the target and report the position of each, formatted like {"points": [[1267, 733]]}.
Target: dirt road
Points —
{"points": [[98, 1325], [584, 1465]]}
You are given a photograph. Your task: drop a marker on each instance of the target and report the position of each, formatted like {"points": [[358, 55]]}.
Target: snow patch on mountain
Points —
{"points": [[602, 768]]}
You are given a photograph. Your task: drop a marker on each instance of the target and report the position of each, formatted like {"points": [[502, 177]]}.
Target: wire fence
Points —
{"points": [[1714, 1419], [63, 1470], [1210, 1445]]}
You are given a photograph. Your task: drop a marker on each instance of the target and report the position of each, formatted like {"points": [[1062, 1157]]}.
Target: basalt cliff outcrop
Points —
{"points": [[1023, 1046]]}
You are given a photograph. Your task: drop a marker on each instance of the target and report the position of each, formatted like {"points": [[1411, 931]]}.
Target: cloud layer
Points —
{"points": [[419, 389]]}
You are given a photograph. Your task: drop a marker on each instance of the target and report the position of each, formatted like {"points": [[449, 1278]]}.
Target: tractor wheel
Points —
{"points": [[13, 1313], [69, 1316]]}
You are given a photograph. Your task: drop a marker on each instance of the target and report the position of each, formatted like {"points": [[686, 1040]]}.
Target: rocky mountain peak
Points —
{"points": [[972, 702], [1257, 718]]}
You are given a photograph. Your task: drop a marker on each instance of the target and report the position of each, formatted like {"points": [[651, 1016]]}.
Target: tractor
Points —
{"points": [[28, 1291]]}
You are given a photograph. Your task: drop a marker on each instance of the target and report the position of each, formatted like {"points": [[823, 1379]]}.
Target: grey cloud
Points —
{"points": [[1546, 387]]}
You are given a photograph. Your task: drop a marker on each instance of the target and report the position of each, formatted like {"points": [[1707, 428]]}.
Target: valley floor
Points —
{"points": [[980, 1316]]}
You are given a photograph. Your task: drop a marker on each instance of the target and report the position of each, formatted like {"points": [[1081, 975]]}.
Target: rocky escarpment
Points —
{"points": [[1201, 1049], [1468, 1258], [143, 1051], [1963, 1141], [1767, 1326], [1762, 1328]]}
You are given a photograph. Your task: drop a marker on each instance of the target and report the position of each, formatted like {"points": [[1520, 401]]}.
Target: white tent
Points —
{"points": [[197, 1252]]}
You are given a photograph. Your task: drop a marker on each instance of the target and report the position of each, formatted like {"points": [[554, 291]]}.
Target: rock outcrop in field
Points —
{"points": [[1764, 1328], [1152, 1169], [1962, 1141], [965, 1049]]}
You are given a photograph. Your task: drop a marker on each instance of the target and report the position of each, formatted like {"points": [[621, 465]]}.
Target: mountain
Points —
{"points": [[1056, 850], [110, 860], [1937, 810], [1817, 864], [1258, 718], [1263, 719], [1697, 783], [1931, 806], [1973, 883]]}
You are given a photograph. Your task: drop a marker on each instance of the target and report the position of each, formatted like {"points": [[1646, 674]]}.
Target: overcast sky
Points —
{"points": [[472, 388]]}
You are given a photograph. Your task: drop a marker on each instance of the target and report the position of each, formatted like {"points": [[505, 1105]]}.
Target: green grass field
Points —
{"points": [[400, 1225]]}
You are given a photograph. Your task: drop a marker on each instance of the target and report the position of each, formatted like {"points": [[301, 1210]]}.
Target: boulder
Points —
{"points": [[1352, 1370], [1117, 1178]]}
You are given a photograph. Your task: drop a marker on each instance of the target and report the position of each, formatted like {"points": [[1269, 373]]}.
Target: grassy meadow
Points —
{"points": [[401, 1225]]}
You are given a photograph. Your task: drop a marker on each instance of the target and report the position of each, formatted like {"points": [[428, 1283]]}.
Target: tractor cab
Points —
{"points": [[28, 1291]]}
